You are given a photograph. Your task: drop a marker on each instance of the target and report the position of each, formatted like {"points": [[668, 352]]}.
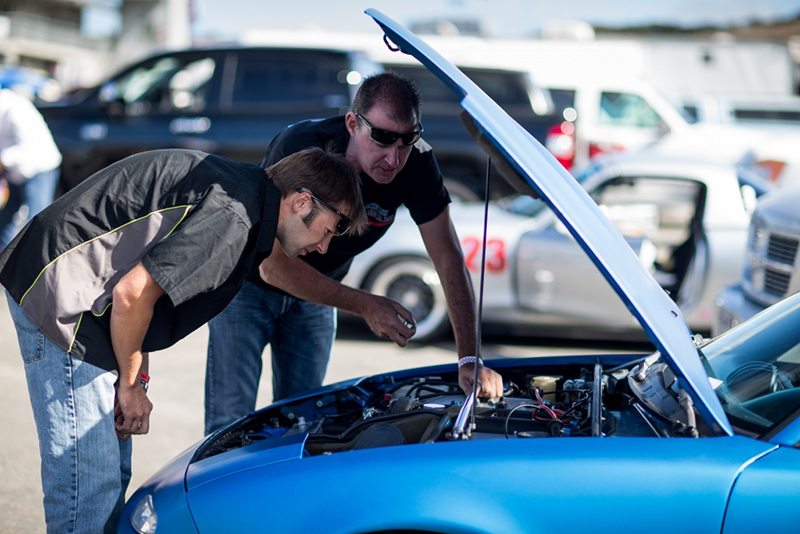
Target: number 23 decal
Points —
{"points": [[495, 254]]}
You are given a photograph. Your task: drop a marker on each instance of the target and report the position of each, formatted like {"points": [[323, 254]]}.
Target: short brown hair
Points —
{"points": [[326, 175], [398, 92]]}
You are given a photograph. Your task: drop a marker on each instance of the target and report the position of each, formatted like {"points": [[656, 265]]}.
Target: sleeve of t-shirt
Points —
{"points": [[276, 150], [288, 141], [426, 196], [201, 253]]}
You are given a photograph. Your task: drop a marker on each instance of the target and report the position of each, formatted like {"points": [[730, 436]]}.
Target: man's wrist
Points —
{"points": [[469, 359], [144, 381]]}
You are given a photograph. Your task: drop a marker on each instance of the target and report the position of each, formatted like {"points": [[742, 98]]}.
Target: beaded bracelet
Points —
{"points": [[469, 359]]}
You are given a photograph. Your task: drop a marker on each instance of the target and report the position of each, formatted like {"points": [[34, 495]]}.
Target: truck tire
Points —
{"points": [[414, 283]]}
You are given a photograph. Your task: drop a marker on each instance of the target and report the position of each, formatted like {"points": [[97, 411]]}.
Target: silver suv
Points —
{"points": [[772, 267]]}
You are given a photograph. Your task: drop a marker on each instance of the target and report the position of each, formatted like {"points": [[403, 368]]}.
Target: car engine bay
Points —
{"points": [[640, 398]]}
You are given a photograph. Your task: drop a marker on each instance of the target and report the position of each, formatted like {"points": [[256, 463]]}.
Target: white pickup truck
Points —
{"points": [[629, 114]]}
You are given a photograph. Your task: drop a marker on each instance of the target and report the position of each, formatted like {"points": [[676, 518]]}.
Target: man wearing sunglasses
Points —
{"points": [[291, 305]]}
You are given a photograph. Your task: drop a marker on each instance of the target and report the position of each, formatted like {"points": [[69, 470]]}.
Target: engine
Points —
{"points": [[562, 401]]}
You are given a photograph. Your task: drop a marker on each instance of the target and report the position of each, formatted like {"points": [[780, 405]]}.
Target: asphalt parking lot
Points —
{"points": [[177, 394]]}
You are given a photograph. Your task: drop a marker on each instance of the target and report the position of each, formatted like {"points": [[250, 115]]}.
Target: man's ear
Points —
{"points": [[351, 121], [301, 202]]}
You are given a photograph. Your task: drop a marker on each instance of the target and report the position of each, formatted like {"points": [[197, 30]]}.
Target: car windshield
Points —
{"points": [[756, 369]]}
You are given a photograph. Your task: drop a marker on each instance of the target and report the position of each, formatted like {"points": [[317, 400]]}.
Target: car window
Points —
{"points": [[288, 78], [767, 114], [276, 80], [757, 369], [164, 85], [563, 98], [625, 109]]}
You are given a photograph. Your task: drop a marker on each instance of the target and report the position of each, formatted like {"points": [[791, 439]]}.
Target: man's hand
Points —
{"points": [[388, 319], [131, 411], [490, 383]]}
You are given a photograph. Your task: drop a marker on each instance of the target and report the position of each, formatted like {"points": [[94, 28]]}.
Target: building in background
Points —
{"points": [[44, 38], [47, 38]]}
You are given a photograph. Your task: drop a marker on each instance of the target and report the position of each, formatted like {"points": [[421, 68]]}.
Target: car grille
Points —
{"points": [[781, 249], [772, 261], [776, 282]]}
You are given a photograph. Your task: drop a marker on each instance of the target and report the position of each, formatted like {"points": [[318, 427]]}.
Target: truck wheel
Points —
{"points": [[414, 283]]}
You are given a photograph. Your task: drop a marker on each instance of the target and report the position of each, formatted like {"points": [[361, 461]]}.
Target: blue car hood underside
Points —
{"points": [[532, 170]]}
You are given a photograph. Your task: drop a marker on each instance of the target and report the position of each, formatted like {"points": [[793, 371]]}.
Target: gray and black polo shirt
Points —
{"points": [[199, 223]]}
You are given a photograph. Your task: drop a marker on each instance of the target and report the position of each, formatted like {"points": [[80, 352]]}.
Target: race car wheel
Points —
{"points": [[414, 283]]}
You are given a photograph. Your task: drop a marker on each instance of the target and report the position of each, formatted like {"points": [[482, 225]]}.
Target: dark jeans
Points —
{"points": [[300, 335]]}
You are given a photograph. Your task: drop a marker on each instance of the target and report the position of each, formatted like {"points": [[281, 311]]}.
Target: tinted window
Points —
{"points": [[563, 98], [268, 81], [767, 115], [289, 77]]}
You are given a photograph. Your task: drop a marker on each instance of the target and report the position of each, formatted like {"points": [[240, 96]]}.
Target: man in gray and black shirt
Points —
{"points": [[132, 260]]}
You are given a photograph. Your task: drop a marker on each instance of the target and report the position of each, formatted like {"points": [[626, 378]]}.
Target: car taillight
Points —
{"points": [[560, 141], [599, 148]]}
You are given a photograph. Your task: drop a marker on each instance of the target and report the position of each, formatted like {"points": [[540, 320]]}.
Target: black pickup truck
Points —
{"points": [[233, 100]]}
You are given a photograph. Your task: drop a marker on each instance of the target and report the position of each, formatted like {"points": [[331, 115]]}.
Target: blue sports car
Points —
{"points": [[701, 436]]}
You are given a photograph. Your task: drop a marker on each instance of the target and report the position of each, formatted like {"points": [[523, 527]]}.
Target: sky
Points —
{"points": [[500, 18], [228, 19]]}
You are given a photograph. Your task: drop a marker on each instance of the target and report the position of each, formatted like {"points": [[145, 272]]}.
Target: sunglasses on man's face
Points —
{"points": [[388, 137], [344, 222]]}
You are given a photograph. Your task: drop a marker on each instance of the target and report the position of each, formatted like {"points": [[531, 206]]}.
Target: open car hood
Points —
{"points": [[532, 170]]}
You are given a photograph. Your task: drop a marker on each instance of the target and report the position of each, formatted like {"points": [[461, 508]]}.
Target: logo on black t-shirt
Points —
{"points": [[378, 216]]}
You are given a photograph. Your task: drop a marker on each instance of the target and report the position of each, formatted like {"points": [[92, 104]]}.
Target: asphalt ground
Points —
{"points": [[176, 391]]}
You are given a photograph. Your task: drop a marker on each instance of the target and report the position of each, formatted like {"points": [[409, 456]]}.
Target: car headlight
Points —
{"points": [[143, 517]]}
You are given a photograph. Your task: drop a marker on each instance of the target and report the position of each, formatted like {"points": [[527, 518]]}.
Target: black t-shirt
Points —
{"points": [[199, 223], [419, 186]]}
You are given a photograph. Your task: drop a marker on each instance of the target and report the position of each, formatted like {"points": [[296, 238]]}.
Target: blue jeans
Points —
{"points": [[301, 335], [85, 468], [25, 201]]}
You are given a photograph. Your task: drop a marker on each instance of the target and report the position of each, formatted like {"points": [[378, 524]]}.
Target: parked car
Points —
{"points": [[233, 100], [227, 100], [771, 264], [686, 220], [616, 115], [773, 113], [571, 434]]}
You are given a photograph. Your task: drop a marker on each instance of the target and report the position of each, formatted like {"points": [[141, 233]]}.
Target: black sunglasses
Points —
{"points": [[388, 137], [344, 222]]}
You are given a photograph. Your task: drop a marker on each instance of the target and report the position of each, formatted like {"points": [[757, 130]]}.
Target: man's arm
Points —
{"points": [[443, 247], [134, 298], [303, 281]]}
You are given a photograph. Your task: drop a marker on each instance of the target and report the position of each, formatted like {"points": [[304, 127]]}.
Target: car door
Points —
{"points": [[165, 102], [660, 218]]}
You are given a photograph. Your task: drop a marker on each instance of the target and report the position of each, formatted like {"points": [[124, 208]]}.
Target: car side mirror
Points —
{"points": [[110, 99], [109, 92]]}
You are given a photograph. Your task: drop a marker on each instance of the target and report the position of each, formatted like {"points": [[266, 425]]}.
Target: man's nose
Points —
{"points": [[393, 154], [322, 247]]}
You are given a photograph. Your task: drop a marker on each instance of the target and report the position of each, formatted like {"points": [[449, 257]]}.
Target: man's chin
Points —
{"points": [[383, 177], [292, 252]]}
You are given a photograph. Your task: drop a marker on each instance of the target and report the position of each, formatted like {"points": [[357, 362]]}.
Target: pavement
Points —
{"points": [[176, 391]]}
